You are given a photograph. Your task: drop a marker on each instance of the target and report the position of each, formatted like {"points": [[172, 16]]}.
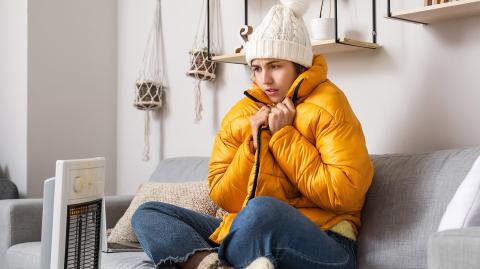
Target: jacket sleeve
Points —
{"points": [[230, 165], [335, 173]]}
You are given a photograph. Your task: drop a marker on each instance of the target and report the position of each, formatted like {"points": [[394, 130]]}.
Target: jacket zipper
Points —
{"points": [[295, 92], [257, 164], [253, 98], [259, 140]]}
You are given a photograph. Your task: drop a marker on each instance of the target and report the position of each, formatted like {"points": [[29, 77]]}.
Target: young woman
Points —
{"points": [[289, 165]]}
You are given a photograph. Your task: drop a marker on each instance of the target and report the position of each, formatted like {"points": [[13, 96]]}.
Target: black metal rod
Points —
{"points": [[321, 9], [353, 45], [389, 13], [374, 22], [246, 12], [406, 20], [336, 22], [208, 29]]}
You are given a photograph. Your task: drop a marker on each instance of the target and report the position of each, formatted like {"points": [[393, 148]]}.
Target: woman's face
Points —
{"points": [[274, 77]]}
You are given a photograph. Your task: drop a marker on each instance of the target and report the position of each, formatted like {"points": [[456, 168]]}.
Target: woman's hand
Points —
{"points": [[257, 120], [281, 115]]}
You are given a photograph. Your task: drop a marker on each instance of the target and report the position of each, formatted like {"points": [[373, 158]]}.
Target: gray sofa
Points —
{"points": [[8, 189], [408, 197]]}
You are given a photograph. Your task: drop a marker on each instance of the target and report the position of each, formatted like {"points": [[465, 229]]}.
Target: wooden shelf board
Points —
{"points": [[319, 47], [439, 12], [237, 58], [345, 45]]}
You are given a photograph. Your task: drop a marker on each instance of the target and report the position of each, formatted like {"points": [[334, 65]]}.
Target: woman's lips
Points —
{"points": [[271, 91]]}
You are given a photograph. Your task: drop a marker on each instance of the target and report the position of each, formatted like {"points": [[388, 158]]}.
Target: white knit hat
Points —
{"points": [[282, 35]]}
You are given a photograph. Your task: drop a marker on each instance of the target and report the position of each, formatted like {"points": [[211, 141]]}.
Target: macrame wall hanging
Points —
{"points": [[201, 66], [149, 86]]}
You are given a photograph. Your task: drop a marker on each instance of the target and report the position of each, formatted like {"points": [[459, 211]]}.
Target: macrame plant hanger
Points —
{"points": [[149, 86], [205, 45]]}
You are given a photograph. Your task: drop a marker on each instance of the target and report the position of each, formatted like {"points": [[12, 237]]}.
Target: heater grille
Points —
{"points": [[83, 235]]}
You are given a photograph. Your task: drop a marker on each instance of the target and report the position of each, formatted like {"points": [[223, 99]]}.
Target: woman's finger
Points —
{"points": [[270, 117], [288, 102], [264, 108], [282, 107]]}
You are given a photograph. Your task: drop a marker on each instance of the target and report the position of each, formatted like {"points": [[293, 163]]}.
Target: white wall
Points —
{"points": [[13, 91], [72, 86], [419, 92], [58, 87], [173, 132]]}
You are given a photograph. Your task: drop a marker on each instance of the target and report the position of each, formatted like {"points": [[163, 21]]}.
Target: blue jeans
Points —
{"points": [[266, 227]]}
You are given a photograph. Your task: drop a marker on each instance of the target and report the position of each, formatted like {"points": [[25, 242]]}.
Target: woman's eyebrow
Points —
{"points": [[271, 62], [267, 63]]}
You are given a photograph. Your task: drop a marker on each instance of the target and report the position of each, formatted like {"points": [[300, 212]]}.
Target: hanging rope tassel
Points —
{"points": [[146, 148], [149, 86], [198, 101]]}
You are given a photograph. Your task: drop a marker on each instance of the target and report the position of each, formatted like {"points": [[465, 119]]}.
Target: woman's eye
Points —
{"points": [[275, 66]]}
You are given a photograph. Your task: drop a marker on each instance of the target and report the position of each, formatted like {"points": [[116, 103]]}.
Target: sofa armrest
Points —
{"points": [[454, 249], [20, 221], [116, 207]]}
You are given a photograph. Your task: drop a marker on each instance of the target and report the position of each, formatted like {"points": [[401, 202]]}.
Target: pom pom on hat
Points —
{"points": [[297, 6]]}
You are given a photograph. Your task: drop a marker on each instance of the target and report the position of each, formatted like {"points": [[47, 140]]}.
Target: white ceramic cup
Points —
{"points": [[322, 28]]}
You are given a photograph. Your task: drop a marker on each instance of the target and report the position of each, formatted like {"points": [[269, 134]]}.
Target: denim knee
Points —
{"points": [[253, 232], [139, 215], [260, 215], [268, 203]]}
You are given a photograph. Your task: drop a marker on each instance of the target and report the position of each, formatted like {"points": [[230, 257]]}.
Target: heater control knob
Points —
{"points": [[78, 184]]}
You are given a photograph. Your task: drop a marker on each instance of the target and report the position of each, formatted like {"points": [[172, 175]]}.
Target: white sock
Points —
{"points": [[212, 261], [261, 263]]}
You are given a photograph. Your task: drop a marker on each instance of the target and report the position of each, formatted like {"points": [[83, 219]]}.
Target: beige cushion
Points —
{"points": [[220, 213], [191, 195]]}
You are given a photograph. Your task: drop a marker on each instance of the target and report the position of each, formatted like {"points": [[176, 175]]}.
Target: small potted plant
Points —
{"points": [[201, 66], [148, 95]]}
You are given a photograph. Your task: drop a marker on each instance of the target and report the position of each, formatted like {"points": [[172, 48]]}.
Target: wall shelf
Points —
{"points": [[236, 58], [342, 45], [437, 12], [319, 47]]}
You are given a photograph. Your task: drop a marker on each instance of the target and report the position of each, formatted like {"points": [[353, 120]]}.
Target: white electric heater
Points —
{"points": [[72, 232]]}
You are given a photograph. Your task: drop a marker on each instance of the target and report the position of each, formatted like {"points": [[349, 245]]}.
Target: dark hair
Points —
{"points": [[299, 68]]}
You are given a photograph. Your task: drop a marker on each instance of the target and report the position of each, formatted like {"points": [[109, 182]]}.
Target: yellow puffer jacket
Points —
{"points": [[319, 165]]}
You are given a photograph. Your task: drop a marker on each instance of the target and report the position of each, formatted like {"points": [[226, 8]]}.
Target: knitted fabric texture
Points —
{"points": [[190, 195], [281, 35]]}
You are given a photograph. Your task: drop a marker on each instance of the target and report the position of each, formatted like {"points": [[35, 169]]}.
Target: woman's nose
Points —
{"points": [[267, 78]]}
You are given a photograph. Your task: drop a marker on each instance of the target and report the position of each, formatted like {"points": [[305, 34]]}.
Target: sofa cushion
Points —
{"points": [[27, 256], [128, 260], [192, 195], [181, 169], [454, 249], [24, 255], [464, 208], [405, 203]]}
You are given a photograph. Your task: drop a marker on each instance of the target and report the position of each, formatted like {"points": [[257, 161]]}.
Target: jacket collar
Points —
{"points": [[305, 82]]}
